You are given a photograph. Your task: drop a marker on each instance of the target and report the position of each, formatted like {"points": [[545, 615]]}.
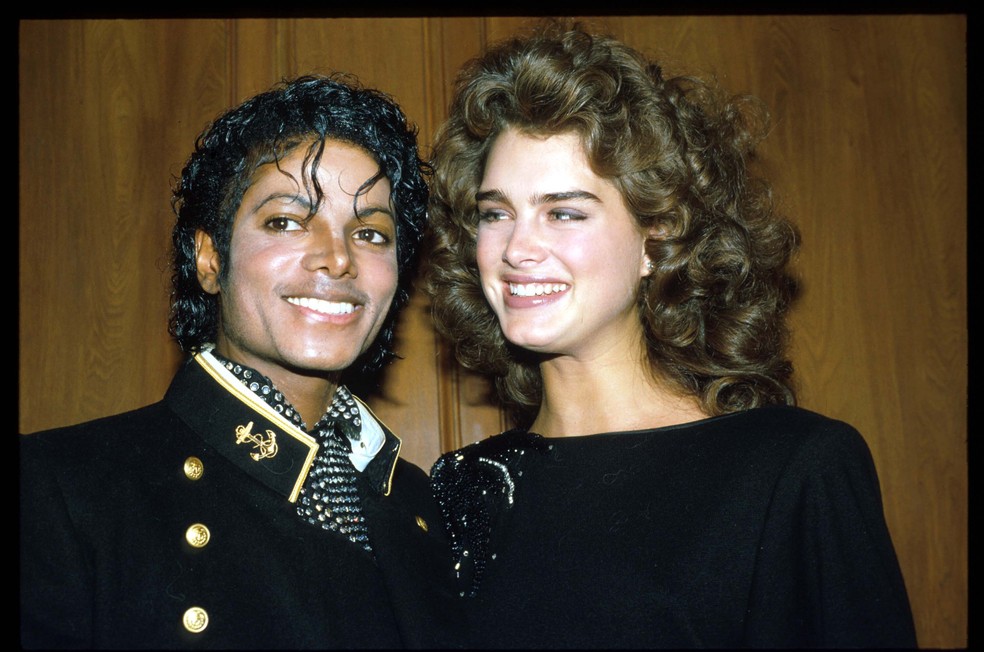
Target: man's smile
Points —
{"points": [[322, 306]]}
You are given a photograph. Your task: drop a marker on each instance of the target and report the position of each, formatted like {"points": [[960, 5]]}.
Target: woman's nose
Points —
{"points": [[525, 244]]}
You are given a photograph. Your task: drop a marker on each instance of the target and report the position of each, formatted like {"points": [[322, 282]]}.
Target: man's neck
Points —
{"points": [[308, 394]]}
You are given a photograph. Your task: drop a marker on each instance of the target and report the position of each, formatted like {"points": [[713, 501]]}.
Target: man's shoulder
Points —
{"points": [[407, 474], [129, 419], [96, 436]]}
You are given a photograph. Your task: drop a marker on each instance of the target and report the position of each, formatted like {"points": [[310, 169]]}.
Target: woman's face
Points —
{"points": [[560, 255]]}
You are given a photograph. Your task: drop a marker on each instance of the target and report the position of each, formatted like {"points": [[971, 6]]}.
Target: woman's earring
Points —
{"points": [[649, 266]]}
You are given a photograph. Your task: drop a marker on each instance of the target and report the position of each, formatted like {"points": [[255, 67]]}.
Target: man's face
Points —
{"points": [[305, 295]]}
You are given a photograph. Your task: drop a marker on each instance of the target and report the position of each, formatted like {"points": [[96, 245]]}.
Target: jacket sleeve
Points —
{"points": [[55, 578]]}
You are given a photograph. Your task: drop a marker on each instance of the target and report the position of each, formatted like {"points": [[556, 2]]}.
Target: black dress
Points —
{"points": [[757, 529]]}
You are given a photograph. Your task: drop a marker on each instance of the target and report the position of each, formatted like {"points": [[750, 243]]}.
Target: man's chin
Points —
{"points": [[320, 365]]}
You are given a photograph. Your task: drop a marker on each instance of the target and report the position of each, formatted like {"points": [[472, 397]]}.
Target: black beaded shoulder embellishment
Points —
{"points": [[472, 486]]}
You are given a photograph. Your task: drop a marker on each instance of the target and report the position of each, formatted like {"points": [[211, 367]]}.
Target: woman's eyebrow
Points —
{"points": [[495, 194]]}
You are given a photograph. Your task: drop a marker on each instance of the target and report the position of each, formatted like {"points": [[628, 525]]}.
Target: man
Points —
{"points": [[259, 504]]}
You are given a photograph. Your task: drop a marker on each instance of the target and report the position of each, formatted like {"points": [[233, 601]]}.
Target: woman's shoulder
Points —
{"points": [[473, 486], [789, 427], [505, 447], [483, 468], [801, 446], [789, 418]]}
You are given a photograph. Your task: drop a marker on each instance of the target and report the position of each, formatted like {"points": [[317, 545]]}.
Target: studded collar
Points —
{"points": [[253, 435]]}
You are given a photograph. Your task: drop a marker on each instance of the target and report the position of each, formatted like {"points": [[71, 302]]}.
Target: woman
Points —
{"points": [[603, 251]]}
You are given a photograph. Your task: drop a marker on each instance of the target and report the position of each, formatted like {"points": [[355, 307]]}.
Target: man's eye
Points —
{"points": [[281, 223], [372, 236]]}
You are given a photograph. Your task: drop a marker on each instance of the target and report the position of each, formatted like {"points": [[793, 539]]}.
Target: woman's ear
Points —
{"points": [[207, 261], [657, 232]]}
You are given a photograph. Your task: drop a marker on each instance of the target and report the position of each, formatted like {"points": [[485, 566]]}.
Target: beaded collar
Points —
{"points": [[329, 497]]}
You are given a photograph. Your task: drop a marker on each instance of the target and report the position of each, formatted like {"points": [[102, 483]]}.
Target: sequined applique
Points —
{"points": [[472, 487]]}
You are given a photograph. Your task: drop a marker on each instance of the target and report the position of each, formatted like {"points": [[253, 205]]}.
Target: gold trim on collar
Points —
{"points": [[231, 384]]}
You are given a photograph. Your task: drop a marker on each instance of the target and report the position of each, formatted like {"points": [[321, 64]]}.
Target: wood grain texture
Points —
{"points": [[868, 153], [467, 411], [105, 117]]}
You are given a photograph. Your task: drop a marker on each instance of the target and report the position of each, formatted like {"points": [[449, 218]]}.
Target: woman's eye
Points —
{"points": [[372, 236], [281, 223], [566, 216], [491, 216]]}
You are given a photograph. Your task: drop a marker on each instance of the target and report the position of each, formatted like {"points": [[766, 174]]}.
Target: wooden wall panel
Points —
{"points": [[868, 153], [882, 338], [467, 411], [258, 56], [105, 117]]}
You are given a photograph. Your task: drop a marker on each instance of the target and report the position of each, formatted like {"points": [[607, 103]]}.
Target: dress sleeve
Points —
{"points": [[55, 586], [463, 512], [473, 487], [827, 574]]}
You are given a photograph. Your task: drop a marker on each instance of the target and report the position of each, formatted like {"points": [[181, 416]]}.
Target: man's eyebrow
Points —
{"points": [[291, 197], [305, 203], [374, 209], [495, 194]]}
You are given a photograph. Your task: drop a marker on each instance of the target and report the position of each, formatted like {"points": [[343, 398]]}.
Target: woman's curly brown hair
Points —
{"points": [[678, 149]]}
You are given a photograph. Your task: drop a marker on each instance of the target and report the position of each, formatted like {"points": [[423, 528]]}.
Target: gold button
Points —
{"points": [[193, 468], [198, 535], [421, 523], [195, 620]]}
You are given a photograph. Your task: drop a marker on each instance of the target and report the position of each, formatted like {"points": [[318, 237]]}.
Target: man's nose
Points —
{"points": [[329, 252]]}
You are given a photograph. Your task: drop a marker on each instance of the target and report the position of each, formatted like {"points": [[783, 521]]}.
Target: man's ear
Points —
{"points": [[207, 261]]}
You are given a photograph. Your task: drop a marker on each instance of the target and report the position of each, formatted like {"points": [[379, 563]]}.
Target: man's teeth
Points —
{"points": [[322, 306], [535, 289]]}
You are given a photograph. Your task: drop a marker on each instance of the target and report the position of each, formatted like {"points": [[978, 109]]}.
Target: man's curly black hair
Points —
{"points": [[263, 129]]}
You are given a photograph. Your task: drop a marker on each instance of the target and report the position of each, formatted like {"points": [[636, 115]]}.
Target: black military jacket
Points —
{"points": [[174, 526]]}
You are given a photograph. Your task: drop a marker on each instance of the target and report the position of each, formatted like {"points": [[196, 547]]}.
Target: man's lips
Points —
{"points": [[323, 306]]}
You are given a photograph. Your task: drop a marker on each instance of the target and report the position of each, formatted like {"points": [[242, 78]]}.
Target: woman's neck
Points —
{"points": [[587, 397]]}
